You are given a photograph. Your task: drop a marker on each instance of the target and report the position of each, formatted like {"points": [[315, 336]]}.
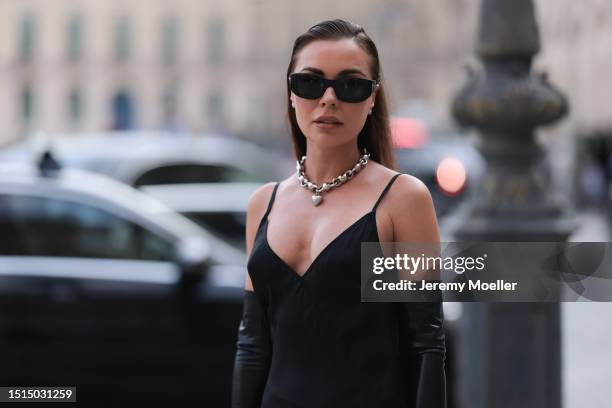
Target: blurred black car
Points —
{"points": [[219, 207], [143, 158], [105, 288], [207, 178]]}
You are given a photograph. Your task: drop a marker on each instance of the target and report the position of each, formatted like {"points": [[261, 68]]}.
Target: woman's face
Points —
{"points": [[332, 59]]}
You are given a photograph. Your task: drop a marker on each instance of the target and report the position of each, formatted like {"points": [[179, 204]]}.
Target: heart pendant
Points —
{"points": [[316, 200]]}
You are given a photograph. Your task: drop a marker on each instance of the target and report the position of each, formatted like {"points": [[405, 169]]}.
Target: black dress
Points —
{"points": [[328, 348]]}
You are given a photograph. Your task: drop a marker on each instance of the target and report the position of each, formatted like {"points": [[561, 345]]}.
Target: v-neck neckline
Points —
{"points": [[325, 249]]}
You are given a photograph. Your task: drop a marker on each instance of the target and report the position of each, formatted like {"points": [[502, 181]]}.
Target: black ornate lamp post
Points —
{"points": [[510, 353]]}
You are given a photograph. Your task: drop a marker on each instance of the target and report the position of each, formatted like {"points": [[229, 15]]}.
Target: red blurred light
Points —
{"points": [[451, 176], [408, 133]]}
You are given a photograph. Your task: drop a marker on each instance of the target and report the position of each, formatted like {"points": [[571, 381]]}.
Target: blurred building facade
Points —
{"points": [[577, 39], [71, 66], [87, 65]]}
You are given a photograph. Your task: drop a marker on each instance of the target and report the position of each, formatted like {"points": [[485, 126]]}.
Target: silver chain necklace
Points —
{"points": [[317, 197]]}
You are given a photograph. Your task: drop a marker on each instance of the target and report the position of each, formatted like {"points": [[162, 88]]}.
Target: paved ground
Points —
{"points": [[587, 335]]}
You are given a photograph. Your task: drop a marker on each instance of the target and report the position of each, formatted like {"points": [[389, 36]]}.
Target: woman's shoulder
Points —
{"points": [[408, 184], [405, 183], [258, 200], [411, 210], [407, 191]]}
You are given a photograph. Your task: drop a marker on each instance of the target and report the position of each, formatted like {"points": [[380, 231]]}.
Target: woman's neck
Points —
{"points": [[323, 164]]}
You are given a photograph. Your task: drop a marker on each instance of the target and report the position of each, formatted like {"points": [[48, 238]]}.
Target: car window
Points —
{"points": [[228, 226], [194, 173], [40, 226]]}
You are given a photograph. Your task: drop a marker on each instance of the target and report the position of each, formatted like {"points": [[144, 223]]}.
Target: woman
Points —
{"points": [[305, 339]]}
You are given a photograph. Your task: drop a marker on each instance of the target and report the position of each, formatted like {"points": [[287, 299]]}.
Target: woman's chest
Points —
{"points": [[299, 241]]}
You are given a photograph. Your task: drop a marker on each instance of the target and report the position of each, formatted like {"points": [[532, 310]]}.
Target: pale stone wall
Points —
{"points": [[423, 47]]}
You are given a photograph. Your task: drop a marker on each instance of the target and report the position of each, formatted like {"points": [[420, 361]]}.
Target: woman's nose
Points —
{"points": [[329, 97]]}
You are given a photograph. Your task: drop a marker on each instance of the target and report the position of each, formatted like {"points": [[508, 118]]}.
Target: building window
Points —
{"points": [[169, 40], [216, 41], [170, 110], [27, 104], [27, 34], [215, 110], [123, 111], [122, 39], [74, 38], [75, 106]]}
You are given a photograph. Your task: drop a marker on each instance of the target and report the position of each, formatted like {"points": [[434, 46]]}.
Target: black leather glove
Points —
{"points": [[422, 346], [253, 355]]}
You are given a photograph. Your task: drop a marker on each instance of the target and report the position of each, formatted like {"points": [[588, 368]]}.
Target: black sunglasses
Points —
{"points": [[348, 89]]}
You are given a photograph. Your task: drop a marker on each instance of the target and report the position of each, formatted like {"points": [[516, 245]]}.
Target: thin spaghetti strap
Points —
{"points": [[385, 190], [265, 216]]}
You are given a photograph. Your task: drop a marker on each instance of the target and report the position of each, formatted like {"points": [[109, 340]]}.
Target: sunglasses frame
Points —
{"points": [[335, 84]]}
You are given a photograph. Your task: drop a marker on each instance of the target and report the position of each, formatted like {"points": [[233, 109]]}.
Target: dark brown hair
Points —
{"points": [[376, 134]]}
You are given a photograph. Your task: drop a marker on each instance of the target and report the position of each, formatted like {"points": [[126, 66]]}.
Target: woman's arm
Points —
{"points": [[421, 329], [253, 354], [423, 353], [254, 350]]}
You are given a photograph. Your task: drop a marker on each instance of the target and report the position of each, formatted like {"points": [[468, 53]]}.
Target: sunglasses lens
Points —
{"points": [[307, 86], [310, 86], [354, 89]]}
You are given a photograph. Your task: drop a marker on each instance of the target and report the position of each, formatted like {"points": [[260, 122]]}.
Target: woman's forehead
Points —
{"points": [[333, 57]]}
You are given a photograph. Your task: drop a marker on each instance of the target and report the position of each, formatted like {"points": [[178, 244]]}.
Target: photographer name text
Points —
{"points": [[499, 285]]}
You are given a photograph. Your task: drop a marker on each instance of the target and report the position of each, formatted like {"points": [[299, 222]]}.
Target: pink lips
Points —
{"points": [[328, 119], [327, 122]]}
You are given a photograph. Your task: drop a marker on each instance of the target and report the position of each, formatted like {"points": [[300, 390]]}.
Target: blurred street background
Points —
{"points": [[132, 133]]}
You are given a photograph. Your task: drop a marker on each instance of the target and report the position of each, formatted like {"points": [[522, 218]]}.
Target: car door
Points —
{"points": [[90, 298]]}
